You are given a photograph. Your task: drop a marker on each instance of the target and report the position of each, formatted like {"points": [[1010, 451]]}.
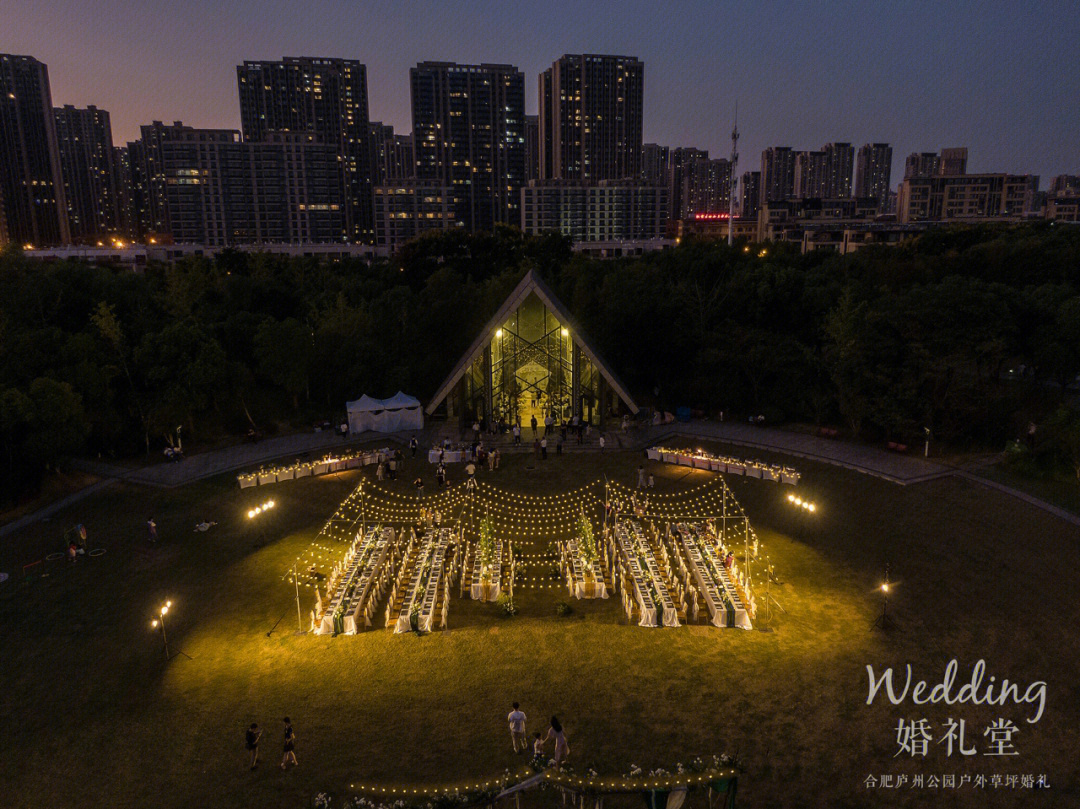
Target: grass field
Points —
{"points": [[95, 716]]}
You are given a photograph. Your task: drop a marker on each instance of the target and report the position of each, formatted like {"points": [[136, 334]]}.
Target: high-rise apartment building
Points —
{"points": [[607, 210], [591, 118], [953, 162], [31, 184], [679, 165], [655, 164], [777, 174], [206, 186], [921, 164], [811, 175], [125, 191], [88, 168], [469, 135], [750, 194], [532, 147], [706, 187], [391, 154], [378, 136], [326, 97], [839, 168], [873, 173], [966, 197], [410, 208]]}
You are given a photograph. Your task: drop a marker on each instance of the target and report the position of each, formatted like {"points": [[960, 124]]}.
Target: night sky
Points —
{"points": [[1002, 79]]}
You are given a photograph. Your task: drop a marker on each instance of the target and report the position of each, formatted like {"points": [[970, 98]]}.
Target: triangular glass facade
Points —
{"points": [[532, 368]]}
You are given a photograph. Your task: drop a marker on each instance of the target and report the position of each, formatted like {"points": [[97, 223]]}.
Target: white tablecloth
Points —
{"points": [[707, 563], [579, 584], [354, 611], [449, 456], [354, 556], [632, 545], [424, 591], [487, 591]]}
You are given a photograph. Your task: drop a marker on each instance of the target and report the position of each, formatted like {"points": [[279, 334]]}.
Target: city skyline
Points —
{"points": [[791, 90]]}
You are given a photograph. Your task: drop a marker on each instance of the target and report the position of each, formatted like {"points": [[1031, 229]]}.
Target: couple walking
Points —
{"points": [[254, 734], [555, 733]]}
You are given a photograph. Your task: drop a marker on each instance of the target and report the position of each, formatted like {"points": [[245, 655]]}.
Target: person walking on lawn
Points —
{"points": [[517, 728], [251, 742], [290, 745]]}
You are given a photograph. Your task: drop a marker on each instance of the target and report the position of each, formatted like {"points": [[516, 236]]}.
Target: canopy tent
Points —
{"points": [[399, 412]]}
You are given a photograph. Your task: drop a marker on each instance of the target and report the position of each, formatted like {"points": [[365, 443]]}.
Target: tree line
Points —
{"points": [[973, 332]]}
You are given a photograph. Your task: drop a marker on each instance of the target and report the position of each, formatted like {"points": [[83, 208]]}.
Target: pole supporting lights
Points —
{"points": [[255, 512], [883, 621], [159, 623]]}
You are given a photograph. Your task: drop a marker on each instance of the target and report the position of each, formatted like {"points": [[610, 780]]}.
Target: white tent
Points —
{"points": [[399, 412]]}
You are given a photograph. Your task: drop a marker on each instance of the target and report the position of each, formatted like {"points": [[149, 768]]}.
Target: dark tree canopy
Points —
{"points": [[971, 331]]}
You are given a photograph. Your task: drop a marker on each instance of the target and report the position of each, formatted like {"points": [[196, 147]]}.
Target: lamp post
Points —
{"points": [[883, 621], [296, 585], [160, 622], [926, 449]]}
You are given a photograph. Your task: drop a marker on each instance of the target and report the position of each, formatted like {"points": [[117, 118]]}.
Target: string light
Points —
{"points": [[593, 783]]}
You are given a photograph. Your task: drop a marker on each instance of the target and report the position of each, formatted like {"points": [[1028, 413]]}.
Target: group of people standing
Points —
{"points": [[516, 719]]}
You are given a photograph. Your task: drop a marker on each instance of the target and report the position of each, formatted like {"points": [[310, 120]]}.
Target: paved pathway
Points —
{"points": [[893, 467], [204, 465], [896, 468], [245, 456]]}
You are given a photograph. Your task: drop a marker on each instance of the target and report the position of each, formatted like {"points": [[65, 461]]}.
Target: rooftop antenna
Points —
{"points": [[734, 184]]}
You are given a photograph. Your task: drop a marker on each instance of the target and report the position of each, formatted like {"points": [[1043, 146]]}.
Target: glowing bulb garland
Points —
{"points": [[551, 517]]}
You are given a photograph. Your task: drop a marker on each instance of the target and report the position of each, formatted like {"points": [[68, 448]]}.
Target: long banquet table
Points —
{"points": [[354, 559], [721, 597], [365, 586], [633, 548], [423, 584], [448, 455]]}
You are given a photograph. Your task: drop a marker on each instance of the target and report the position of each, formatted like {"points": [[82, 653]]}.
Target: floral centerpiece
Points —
{"points": [[587, 544], [486, 548]]}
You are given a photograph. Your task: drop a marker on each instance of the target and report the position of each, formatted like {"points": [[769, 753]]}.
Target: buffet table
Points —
{"points": [[725, 464]]}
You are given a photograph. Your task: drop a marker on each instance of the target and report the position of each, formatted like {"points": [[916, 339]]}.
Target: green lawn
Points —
{"points": [[95, 716], [1061, 490]]}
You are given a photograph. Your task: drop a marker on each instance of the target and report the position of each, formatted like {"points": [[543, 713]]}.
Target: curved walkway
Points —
{"points": [[900, 469], [205, 465]]}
